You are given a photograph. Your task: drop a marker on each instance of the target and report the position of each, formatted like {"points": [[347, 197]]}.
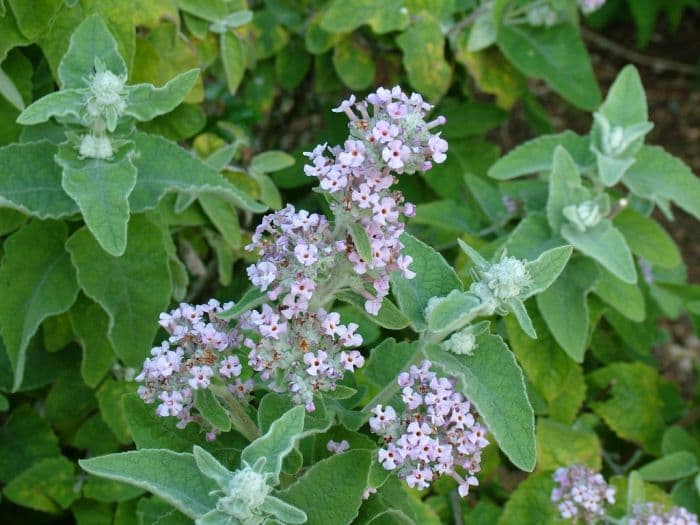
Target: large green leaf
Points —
{"points": [[624, 297], [68, 102], [90, 40], [30, 181], [165, 167], [548, 52], [138, 288], [560, 445], [145, 102], [605, 244], [671, 467], [331, 491], [34, 16], [109, 398], [627, 397], [626, 102], [279, 440], [564, 187], [661, 177], [537, 155], [531, 503], [233, 59], [546, 268], [424, 57], [91, 325], [551, 372], [493, 381], [25, 439], [434, 278], [46, 486], [354, 64], [101, 189], [169, 475], [647, 238], [36, 282], [564, 306]]}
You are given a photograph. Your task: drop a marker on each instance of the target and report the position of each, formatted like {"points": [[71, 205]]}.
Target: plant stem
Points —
{"points": [[240, 420]]}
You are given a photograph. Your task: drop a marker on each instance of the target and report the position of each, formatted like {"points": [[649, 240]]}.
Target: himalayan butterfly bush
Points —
{"points": [[655, 514], [436, 432], [581, 494], [290, 339]]}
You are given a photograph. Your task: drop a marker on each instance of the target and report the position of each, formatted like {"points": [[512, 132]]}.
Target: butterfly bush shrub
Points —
{"points": [[419, 330]]}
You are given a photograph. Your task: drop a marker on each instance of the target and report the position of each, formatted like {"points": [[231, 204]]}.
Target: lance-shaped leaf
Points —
{"points": [[165, 167], [67, 102], [90, 325], [565, 188], [211, 410], [493, 381], [90, 40], [277, 442], [251, 299], [101, 189], [331, 491], [452, 312], [626, 102], [36, 281], [210, 466], [137, 290], [605, 244], [564, 306], [434, 278], [389, 315], [145, 102], [671, 467], [546, 268], [537, 155], [517, 308], [46, 486], [30, 181], [169, 475], [361, 241]]}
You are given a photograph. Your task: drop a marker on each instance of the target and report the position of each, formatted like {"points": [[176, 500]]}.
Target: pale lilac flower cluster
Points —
{"points": [[436, 433], [656, 514], [581, 494], [296, 251], [198, 351], [357, 177], [588, 6], [303, 355]]}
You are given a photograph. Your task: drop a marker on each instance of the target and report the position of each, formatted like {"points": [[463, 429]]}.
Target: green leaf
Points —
{"points": [[517, 308], [546, 268], [452, 312], [271, 161], [169, 475], [647, 238], [211, 410], [492, 380], [233, 59], [387, 360], [30, 181], [69, 400], [354, 64], [154, 511], [224, 217], [291, 66], [25, 439], [624, 297], [101, 190], [671, 467], [389, 315], [361, 241], [331, 491], [677, 439], [537, 155], [137, 291], [434, 278], [277, 442], [210, 466], [109, 399], [531, 503], [560, 445], [36, 282], [632, 404], [544, 52], [145, 102], [482, 34], [285, 512], [90, 40], [564, 188], [34, 16], [91, 324], [564, 306], [106, 490], [251, 299], [152, 431], [448, 215], [605, 244], [64, 103], [635, 491], [46, 486], [423, 47], [165, 167], [626, 103]]}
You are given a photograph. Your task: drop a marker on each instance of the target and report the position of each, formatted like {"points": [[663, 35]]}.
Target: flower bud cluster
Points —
{"points": [[296, 252], [500, 282], [357, 178], [585, 215], [244, 495], [198, 350], [656, 514], [436, 433], [303, 355], [581, 494], [106, 99]]}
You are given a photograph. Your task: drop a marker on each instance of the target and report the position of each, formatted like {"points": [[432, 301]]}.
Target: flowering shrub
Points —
{"points": [[391, 323]]}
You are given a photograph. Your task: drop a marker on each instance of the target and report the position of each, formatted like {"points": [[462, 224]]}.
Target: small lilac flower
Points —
{"points": [[337, 446], [230, 367], [201, 377], [384, 131], [171, 404], [395, 154], [438, 148], [316, 363], [351, 360], [306, 254]]}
